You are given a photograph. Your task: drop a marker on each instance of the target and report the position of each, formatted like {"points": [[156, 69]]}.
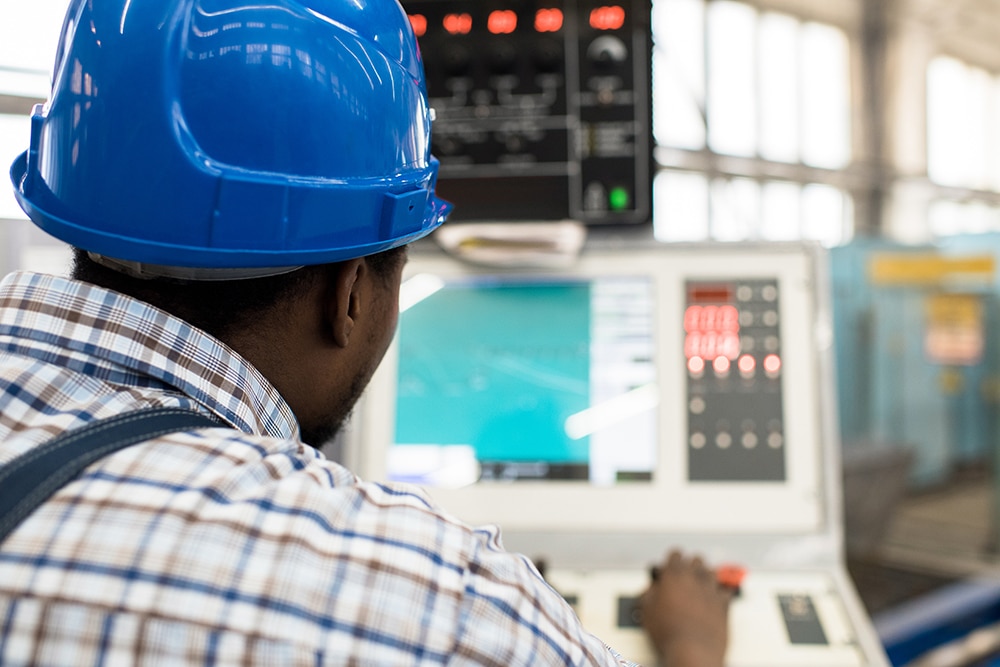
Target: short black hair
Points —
{"points": [[221, 307]]}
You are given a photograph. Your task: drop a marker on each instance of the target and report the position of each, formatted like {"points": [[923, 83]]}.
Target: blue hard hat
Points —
{"points": [[233, 133]]}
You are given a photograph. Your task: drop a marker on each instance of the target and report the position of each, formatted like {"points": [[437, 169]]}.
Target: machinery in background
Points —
{"points": [[918, 351], [645, 398], [542, 107]]}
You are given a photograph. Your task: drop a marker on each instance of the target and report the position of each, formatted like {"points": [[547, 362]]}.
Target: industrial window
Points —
{"points": [[14, 131], [29, 33], [963, 147], [947, 217], [963, 125], [689, 206], [732, 81]]}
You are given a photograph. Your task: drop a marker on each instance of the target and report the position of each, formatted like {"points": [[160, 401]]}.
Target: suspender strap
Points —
{"points": [[32, 478]]}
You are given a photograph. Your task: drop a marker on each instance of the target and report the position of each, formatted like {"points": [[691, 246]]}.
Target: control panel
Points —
{"points": [[679, 397], [777, 619], [732, 349], [542, 107]]}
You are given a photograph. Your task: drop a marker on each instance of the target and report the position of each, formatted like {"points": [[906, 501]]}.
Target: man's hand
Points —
{"points": [[685, 612]]}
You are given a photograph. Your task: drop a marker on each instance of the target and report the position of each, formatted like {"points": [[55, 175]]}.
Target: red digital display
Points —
{"points": [[713, 332], [548, 20], [419, 24], [711, 294], [457, 24], [501, 22], [607, 18]]}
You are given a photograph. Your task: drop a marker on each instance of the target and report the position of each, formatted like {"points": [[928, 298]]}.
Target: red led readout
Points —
{"points": [[548, 20], [607, 18], [712, 332], [457, 24], [501, 22], [419, 24]]}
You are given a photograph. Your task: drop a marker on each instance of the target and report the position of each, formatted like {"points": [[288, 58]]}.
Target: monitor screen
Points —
{"points": [[510, 379]]}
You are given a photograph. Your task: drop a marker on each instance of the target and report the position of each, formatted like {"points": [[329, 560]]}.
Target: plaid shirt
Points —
{"points": [[230, 546]]}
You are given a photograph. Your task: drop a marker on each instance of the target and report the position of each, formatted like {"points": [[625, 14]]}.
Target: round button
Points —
{"points": [[744, 293], [770, 318], [607, 50], [723, 440], [697, 405], [769, 293], [749, 440], [775, 440], [698, 440], [771, 343]]}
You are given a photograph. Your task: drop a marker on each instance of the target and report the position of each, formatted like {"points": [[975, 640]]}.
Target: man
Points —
{"points": [[240, 181]]}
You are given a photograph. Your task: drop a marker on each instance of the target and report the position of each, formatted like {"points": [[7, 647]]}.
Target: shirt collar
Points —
{"points": [[126, 336]]}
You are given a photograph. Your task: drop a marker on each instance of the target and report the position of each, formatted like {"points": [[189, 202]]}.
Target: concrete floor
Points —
{"points": [[949, 531], [932, 539]]}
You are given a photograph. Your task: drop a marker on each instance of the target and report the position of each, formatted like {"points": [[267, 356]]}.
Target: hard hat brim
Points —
{"points": [[168, 254]]}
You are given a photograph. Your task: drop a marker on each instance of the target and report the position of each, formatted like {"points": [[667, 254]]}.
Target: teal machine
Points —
{"points": [[917, 351]]}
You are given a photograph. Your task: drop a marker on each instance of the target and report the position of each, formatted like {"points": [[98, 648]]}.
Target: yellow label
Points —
{"points": [[955, 332], [928, 269], [955, 310]]}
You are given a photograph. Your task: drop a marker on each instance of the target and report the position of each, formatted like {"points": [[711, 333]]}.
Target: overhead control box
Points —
{"points": [[542, 107]]}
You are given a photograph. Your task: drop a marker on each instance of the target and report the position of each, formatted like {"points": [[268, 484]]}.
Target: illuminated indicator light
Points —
{"points": [[457, 24], [501, 22], [618, 199], [772, 364], [607, 18], [721, 365], [419, 24], [548, 20], [696, 366], [747, 364]]}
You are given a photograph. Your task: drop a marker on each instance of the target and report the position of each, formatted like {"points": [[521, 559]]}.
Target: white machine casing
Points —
{"points": [[599, 542]]}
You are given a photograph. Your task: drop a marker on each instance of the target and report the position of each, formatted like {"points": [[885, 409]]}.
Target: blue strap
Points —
{"points": [[32, 478]]}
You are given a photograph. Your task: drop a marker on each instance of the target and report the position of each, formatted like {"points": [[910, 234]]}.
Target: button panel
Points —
{"points": [[733, 360]]}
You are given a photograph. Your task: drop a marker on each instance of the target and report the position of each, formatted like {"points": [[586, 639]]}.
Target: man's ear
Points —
{"points": [[344, 299]]}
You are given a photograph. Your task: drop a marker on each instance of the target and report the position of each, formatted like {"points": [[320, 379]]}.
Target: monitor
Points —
{"points": [[516, 378]]}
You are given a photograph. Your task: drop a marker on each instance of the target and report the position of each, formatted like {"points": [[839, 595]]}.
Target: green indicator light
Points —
{"points": [[618, 199]]}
